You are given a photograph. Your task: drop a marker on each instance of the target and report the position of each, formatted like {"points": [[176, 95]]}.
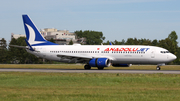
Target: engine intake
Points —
{"points": [[99, 62]]}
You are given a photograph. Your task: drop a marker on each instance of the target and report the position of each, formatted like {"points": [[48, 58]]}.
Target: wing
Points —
{"points": [[80, 58], [75, 58]]}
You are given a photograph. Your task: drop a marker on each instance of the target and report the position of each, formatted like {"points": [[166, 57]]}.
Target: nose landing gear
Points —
{"points": [[158, 68]]}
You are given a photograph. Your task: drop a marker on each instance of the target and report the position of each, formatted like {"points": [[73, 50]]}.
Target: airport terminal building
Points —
{"points": [[61, 37]]}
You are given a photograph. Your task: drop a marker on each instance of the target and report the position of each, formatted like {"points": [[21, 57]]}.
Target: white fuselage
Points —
{"points": [[129, 54]]}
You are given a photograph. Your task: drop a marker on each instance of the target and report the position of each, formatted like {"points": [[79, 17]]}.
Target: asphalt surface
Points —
{"points": [[91, 71]]}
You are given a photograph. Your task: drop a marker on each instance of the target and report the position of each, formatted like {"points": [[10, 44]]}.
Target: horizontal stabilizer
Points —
{"points": [[30, 48], [24, 47]]}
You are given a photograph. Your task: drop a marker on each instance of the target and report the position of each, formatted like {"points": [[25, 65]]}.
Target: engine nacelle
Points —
{"points": [[99, 62], [121, 65]]}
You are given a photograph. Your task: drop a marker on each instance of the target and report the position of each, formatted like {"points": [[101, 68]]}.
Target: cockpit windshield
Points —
{"points": [[165, 52]]}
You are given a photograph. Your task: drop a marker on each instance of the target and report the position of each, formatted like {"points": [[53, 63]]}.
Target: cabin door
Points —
{"points": [[153, 54]]}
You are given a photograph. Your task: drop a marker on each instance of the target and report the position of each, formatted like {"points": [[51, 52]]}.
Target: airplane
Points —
{"points": [[99, 56]]}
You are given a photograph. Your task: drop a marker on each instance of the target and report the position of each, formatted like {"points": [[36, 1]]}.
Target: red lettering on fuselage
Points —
{"points": [[135, 49], [107, 49], [121, 49], [112, 49]]}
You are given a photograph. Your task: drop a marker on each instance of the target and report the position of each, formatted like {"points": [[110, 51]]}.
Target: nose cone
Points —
{"points": [[172, 57]]}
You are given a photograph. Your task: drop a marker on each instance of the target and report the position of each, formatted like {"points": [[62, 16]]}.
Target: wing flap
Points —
{"points": [[67, 56], [74, 58]]}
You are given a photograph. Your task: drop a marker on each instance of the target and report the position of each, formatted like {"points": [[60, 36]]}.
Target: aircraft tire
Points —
{"points": [[87, 67], [100, 68], [158, 68]]}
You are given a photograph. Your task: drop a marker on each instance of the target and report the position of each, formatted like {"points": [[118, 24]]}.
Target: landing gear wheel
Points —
{"points": [[100, 68], [158, 68], [87, 67]]}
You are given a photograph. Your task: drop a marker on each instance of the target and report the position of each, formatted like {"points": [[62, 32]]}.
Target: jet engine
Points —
{"points": [[99, 62]]}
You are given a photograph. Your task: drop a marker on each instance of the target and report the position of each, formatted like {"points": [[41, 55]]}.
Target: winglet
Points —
{"points": [[34, 38], [110, 43]]}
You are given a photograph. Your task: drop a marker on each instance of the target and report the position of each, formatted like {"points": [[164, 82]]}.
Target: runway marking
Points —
{"points": [[92, 71]]}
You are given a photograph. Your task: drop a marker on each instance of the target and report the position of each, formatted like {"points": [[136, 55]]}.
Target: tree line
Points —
{"points": [[18, 55]]}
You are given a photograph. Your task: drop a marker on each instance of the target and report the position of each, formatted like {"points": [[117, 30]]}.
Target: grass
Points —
{"points": [[29, 86], [81, 66], [25, 86]]}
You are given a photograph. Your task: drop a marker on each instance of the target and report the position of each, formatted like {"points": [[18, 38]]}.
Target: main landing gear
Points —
{"points": [[100, 68], [158, 68], [88, 67]]}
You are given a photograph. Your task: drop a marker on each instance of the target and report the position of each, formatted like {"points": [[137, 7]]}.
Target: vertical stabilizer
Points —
{"points": [[33, 36]]}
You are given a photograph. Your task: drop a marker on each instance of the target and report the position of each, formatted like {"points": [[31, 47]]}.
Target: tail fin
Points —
{"points": [[33, 36]]}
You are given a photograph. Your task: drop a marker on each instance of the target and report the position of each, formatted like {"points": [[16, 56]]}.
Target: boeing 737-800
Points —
{"points": [[99, 56]]}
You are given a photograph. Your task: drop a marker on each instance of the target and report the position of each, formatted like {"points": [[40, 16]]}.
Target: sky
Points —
{"points": [[117, 19]]}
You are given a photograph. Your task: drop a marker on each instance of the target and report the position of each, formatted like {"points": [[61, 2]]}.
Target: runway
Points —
{"points": [[91, 71]]}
